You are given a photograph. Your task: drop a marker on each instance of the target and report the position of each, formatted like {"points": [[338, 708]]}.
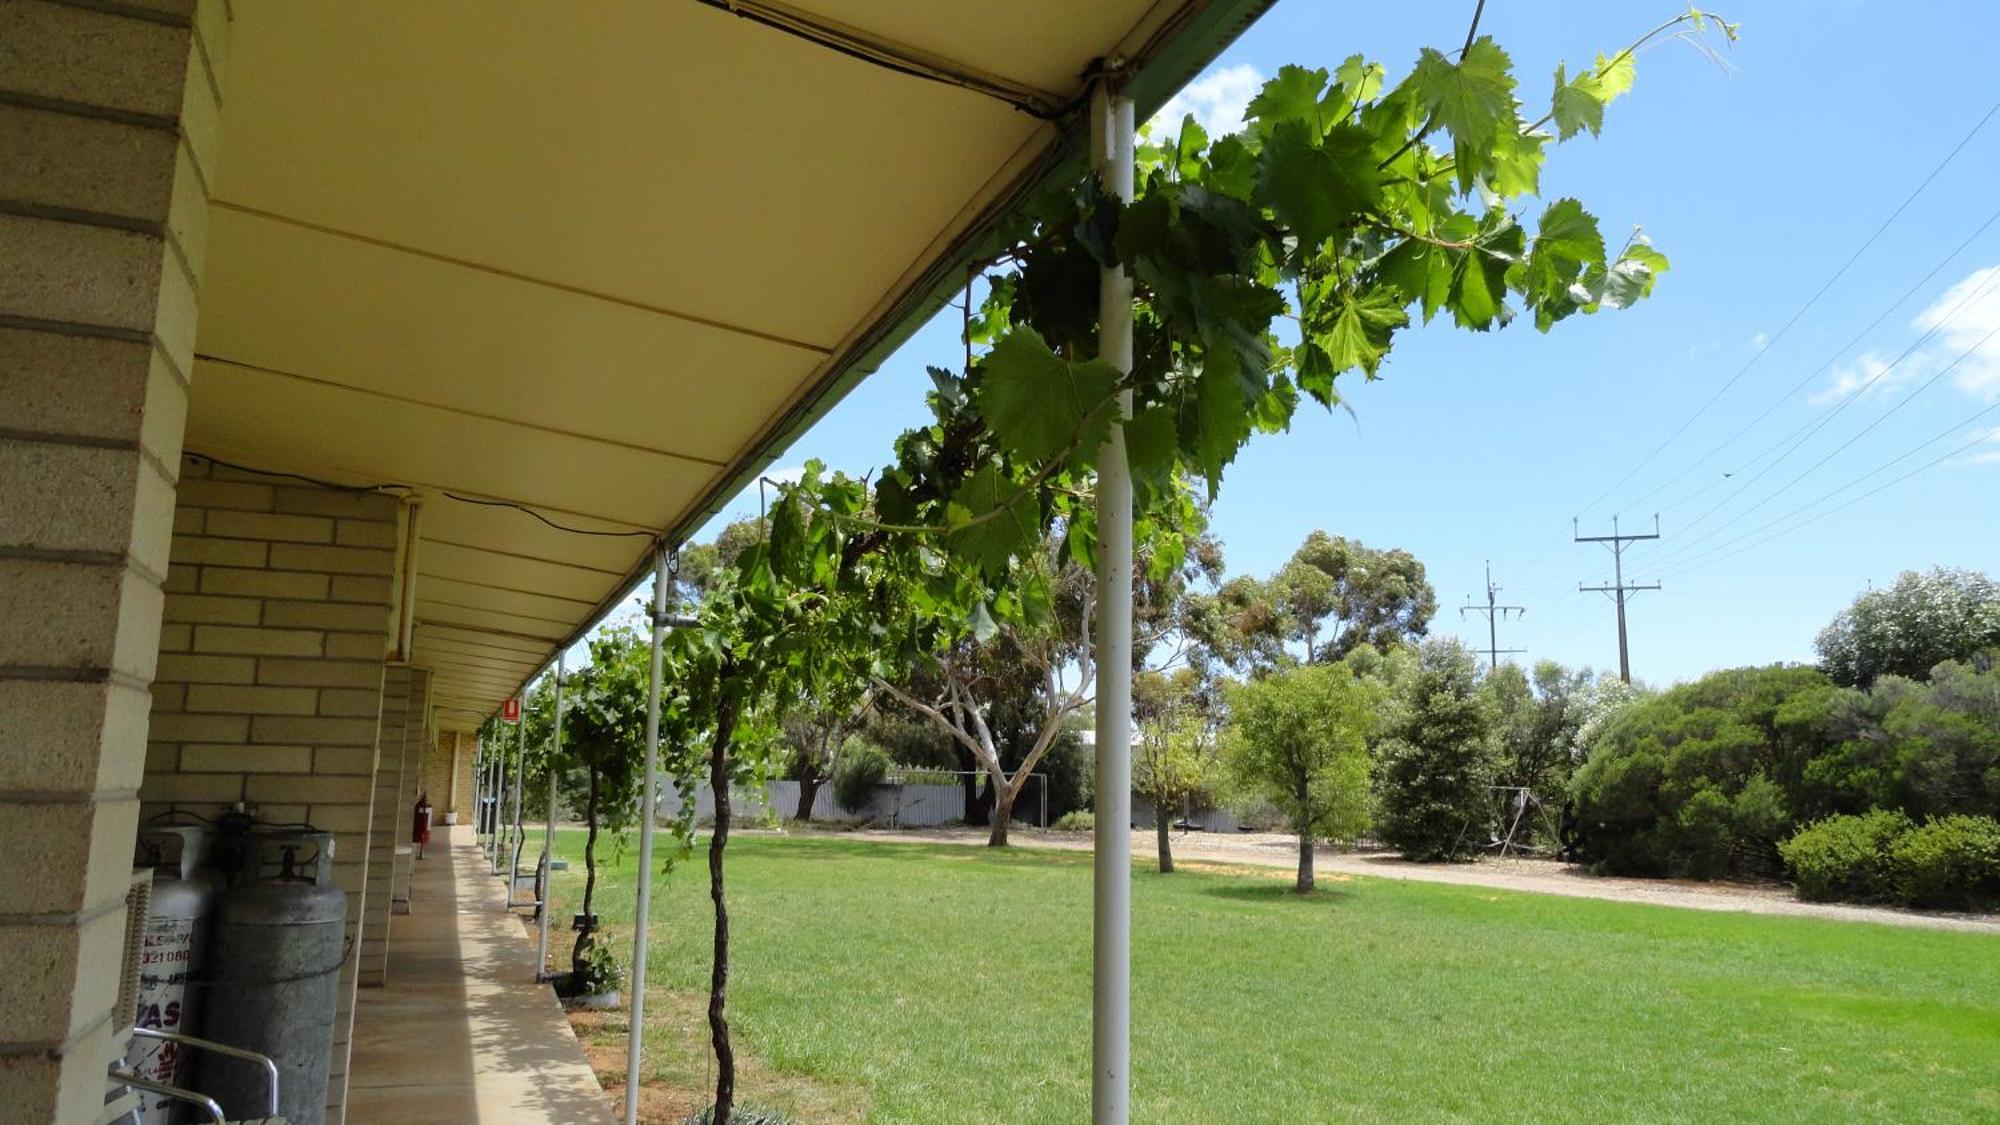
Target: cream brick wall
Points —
{"points": [[448, 774], [107, 147], [270, 676]]}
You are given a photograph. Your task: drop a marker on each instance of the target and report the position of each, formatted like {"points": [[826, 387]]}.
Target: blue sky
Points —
{"points": [[1759, 179]]}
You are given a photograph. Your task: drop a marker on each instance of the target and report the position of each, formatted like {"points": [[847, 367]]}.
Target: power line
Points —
{"points": [[1857, 436], [1787, 395], [1802, 310], [1811, 428], [1718, 553]]}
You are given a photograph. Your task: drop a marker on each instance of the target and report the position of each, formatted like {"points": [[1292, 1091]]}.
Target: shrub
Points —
{"points": [[1077, 821], [1952, 862], [1846, 858], [1703, 780], [861, 770]]}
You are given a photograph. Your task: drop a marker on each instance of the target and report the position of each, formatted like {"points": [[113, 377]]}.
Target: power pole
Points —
{"points": [[1495, 613], [1619, 591]]}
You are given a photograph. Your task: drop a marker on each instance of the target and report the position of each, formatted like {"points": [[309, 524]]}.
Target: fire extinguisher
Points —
{"points": [[420, 823]]}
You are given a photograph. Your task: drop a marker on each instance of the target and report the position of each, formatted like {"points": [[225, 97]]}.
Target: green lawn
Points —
{"points": [[941, 984]]}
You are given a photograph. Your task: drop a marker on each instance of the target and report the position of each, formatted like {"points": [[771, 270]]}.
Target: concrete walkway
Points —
{"points": [[462, 1033]]}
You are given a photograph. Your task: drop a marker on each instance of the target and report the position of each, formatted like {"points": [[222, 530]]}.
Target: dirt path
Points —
{"points": [[1542, 876]]}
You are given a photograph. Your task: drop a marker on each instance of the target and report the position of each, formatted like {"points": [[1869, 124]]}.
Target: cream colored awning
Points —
{"points": [[605, 260]]}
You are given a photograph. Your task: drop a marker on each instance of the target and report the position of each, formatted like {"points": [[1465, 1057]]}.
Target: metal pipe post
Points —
{"points": [[648, 811], [482, 773], [1111, 915], [549, 835], [513, 841]]}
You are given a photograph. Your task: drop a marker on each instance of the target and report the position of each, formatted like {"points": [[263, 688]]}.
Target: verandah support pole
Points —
{"points": [[649, 805], [1111, 916], [549, 837], [520, 786]]}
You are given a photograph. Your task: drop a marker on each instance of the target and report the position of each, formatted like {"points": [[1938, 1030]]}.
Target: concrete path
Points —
{"points": [[1542, 876], [461, 1033]]}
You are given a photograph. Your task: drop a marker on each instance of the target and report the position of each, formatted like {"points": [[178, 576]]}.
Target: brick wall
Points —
{"points": [[108, 140], [269, 684], [448, 774]]}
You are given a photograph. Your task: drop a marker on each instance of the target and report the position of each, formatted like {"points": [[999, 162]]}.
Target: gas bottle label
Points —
{"points": [[166, 955]]}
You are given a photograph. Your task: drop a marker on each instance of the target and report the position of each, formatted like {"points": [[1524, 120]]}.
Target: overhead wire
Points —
{"points": [[1789, 393], [1812, 428], [1717, 554], [1801, 311]]}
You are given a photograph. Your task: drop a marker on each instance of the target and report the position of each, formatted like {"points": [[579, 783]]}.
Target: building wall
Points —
{"points": [[108, 126], [270, 679], [448, 774], [386, 795]]}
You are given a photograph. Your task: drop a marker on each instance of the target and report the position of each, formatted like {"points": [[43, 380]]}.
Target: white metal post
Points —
{"points": [[1111, 916], [514, 838], [496, 788], [482, 772], [549, 834], [649, 799]]}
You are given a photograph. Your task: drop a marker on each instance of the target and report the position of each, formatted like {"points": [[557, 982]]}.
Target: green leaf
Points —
{"points": [[1152, 451], [1291, 96], [1517, 164], [1188, 148], [1420, 272], [1473, 97], [1475, 297], [1577, 105], [1218, 422], [1612, 76], [1039, 405], [1361, 332], [1316, 185], [1361, 79], [1232, 169], [997, 524], [983, 626]]}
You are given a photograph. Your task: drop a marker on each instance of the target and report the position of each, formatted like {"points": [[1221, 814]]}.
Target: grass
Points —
{"points": [[910, 983]]}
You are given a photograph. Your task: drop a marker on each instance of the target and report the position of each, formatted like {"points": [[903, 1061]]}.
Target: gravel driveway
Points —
{"points": [[1542, 876]]}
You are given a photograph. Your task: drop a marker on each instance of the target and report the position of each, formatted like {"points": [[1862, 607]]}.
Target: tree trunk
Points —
{"points": [[1003, 811], [1304, 824], [808, 793], [1163, 822], [584, 932], [718, 980]]}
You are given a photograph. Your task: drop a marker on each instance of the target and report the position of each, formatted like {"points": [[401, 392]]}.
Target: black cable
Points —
{"points": [[298, 476], [1815, 372], [821, 38], [1810, 302], [391, 489], [552, 523]]}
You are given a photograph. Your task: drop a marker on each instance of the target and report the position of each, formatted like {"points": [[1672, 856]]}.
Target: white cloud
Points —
{"points": [[1871, 374], [1759, 342], [1985, 456], [1217, 99], [1969, 331], [1963, 327]]}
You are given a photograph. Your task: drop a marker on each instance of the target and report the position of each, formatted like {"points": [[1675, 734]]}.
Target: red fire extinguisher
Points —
{"points": [[420, 823]]}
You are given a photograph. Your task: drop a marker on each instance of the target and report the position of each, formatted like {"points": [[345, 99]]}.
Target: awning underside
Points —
{"points": [[587, 259]]}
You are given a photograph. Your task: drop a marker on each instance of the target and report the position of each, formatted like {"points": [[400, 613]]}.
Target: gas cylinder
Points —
{"points": [[171, 952], [275, 962]]}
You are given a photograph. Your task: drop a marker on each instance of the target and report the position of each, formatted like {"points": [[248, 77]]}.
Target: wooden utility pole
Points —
{"points": [[1495, 613], [1618, 590]]}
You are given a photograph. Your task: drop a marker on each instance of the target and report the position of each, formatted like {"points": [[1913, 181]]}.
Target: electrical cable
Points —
{"points": [[861, 50], [399, 489], [1795, 388], [1802, 310], [1811, 429], [1981, 439]]}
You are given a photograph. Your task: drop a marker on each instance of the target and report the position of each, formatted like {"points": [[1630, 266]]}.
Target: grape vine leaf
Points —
{"points": [[1291, 96], [1576, 105], [1316, 184], [1361, 332], [990, 520], [1038, 404]]}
